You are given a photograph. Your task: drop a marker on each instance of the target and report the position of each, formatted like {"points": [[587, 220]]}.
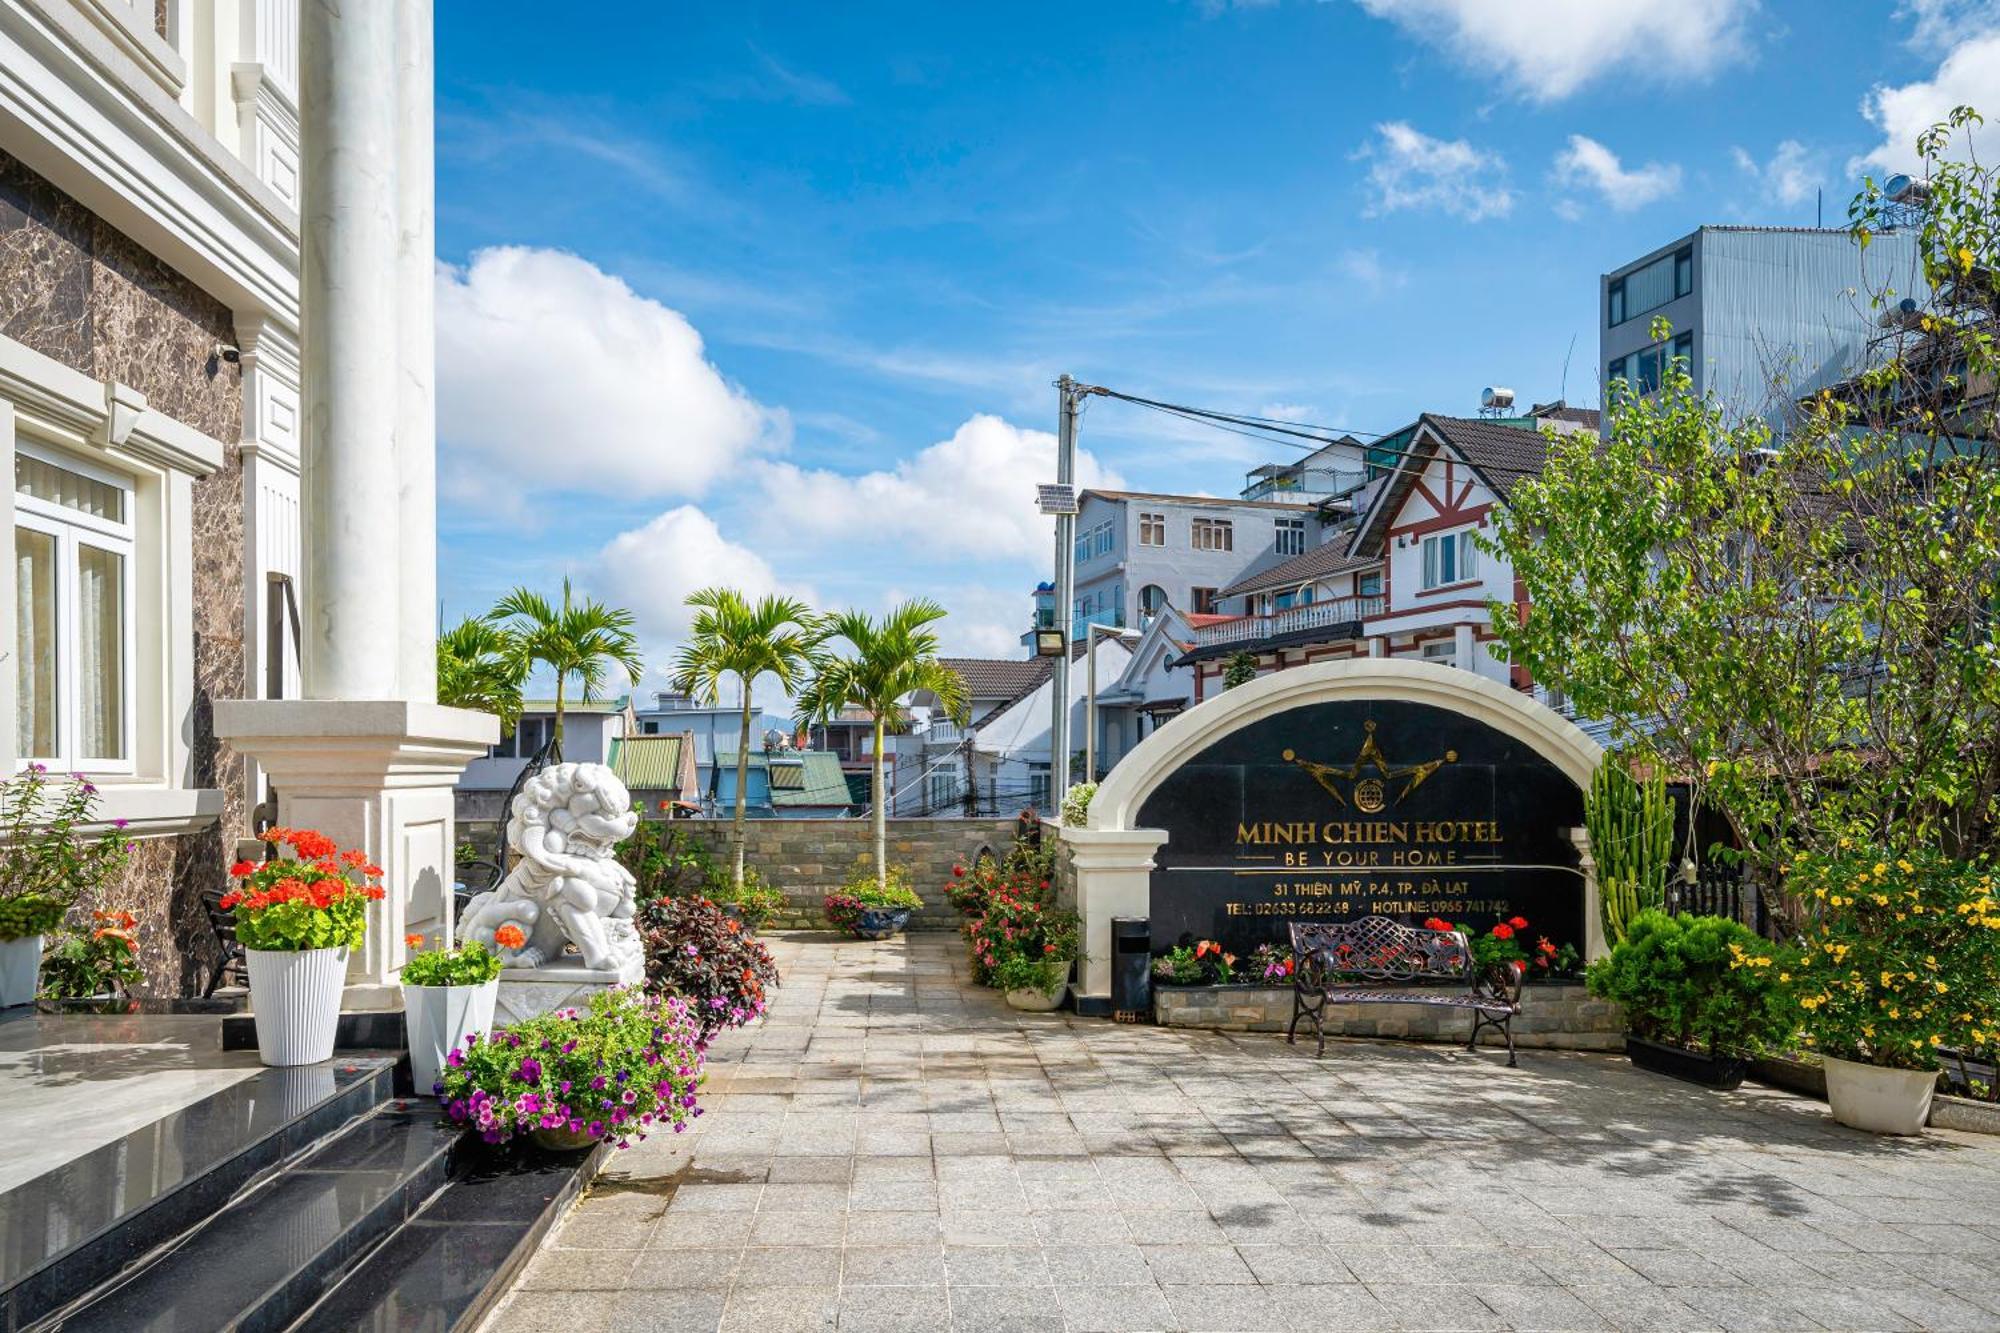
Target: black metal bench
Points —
{"points": [[1334, 962]]}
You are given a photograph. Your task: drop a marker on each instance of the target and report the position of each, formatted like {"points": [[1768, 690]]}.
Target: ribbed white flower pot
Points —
{"points": [[20, 970], [1882, 1101], [295, 997], [438, 1018]]}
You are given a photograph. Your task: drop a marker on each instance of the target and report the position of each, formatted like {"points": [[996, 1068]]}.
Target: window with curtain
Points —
{"points": [[73, 635], [1449, 558]]}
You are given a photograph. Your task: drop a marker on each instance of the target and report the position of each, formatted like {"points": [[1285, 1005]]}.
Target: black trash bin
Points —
{"points": [[1131, 969]]}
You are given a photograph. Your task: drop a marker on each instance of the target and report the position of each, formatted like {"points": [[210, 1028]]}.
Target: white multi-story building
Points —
{"points": [[150, 406]]}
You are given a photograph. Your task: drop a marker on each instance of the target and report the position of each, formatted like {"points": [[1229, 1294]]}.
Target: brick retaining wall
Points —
{"points": [[1559, 1015]]}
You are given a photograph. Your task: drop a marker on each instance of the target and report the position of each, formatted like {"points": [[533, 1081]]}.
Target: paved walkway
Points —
{"points": [[893, 1149]]}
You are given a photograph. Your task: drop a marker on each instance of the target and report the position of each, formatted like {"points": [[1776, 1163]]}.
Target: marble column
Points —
{"points": [[367, 756], [348, 105], [1114, 877], [416, 287]]}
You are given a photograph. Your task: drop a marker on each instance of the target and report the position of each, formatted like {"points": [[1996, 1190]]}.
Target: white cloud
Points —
{"points": [[1368, 270], [1790, 177], [1547, 49], [1410, 169], [652, 569], [552, 373], [1587, 163], [969, 497], [1935, 25], [1969, 76]]}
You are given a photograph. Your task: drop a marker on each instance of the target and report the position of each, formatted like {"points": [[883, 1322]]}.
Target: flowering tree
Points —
{"points": [[1798, 623]]}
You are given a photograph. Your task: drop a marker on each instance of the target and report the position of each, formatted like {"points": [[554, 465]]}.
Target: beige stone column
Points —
{"points": [[1114, 877]]}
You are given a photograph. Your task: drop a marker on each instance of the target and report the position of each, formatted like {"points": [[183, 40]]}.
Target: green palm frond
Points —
{"points": [[891, 659], [581, 640], [478, 668]]}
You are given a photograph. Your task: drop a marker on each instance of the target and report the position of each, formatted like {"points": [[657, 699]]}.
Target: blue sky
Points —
{"points": [[773, 294]]}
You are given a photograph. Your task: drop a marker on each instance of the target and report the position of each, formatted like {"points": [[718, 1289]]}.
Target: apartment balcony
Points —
{"points": [[1339, 618], [1113, 616], [943, 733]]}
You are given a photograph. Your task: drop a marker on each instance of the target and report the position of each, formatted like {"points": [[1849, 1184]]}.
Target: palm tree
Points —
{"points": [[893, 658], [733, 637], [581, 639], [478, 668]]}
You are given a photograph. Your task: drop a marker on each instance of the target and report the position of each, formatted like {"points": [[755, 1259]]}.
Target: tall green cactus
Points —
{"points": [[1631, 823]]}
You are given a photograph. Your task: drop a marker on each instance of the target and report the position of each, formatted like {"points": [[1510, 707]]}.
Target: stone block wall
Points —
{"points": [[808, 858], [1561, 1016]]}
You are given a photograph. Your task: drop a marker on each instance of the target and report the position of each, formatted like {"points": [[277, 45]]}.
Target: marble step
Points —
{"points": [[447, 1266], [81, 1224], [267, 1258]]}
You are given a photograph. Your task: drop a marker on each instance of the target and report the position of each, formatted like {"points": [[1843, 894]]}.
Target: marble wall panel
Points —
{"points": [[76, 289]]}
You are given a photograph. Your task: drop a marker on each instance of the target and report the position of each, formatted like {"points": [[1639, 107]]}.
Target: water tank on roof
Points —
{"points": [[1495, 398], [1902, 189]]}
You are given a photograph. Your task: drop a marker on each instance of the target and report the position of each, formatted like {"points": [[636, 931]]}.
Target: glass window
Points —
{"points": [[1684, 270], [72, 570], [1202, 601], [1644, 290], [1369, 585], [1214, 534], [1615, 371], [35, 642], [1291, 537], [1449, 558], [1441, 650], [1152, 529], [1615, 314]]}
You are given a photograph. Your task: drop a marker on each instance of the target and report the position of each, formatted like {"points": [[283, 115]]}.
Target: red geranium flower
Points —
{"points": [[1518, 923], [1503, 931]]}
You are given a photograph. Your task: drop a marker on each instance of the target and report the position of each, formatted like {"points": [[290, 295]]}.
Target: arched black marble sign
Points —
{"points": [[1333, 811]]}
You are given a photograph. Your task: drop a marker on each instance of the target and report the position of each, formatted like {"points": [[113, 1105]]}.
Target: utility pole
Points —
{"points": [[1067, 392]]}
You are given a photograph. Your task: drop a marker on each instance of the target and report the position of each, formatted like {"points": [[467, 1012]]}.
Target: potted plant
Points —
{"points": [[697, 951], [1692, 1009], [625, 1065], [873, 907], [1203, 963], [100, 962], [48, 857], [297, 915], [1027, 943], [1899, 957], [448, 995]]}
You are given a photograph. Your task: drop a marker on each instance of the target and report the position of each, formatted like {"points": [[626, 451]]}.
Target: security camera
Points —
{"points": [[227, 352]]}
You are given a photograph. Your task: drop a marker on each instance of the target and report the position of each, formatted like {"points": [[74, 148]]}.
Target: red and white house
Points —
{"points": [[1404, 576]]}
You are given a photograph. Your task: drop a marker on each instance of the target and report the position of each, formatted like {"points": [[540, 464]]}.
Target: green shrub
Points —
{"points": [[104, 960], [754, 902], [667, 861], [1631, 823], [47, 859], [1679, 981], [1076, 804]]}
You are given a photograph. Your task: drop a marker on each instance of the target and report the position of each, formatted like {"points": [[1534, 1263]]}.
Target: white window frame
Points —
{"points": [[1152, 529], [1464, 563], [1449, 654], [71, 528], [1289, 536]]}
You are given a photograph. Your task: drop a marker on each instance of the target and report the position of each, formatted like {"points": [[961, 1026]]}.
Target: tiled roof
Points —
{"points": [[1221, 501], [655, 763], [999, 677], [1503, 454], [1323, 561], [798, 777]]}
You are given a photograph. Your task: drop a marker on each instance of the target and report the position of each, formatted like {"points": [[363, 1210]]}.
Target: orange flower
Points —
{"points": [[243, 869], [414, 940], [509, 936]]}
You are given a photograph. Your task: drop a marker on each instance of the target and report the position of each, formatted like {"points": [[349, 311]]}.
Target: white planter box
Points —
{"points": [[438, 1018], [1882, 1101], [20, 970], [295, 998]]}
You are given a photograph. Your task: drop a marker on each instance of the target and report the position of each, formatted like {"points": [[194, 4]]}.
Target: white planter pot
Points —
{"points": [[439, 1018], [1882, 1101], [295, 998], [1034, 1000], [20, 970]]}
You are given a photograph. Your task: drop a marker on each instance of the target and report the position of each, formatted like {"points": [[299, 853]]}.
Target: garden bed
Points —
{"points": [[1555, 1015]]}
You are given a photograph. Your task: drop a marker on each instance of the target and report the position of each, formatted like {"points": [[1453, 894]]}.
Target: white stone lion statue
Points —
{"points": [[567, 885]]}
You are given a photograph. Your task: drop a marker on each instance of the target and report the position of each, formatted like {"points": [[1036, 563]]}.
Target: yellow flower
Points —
{"points": [[1942, 989], [1936, 1040], [1905, 867]]}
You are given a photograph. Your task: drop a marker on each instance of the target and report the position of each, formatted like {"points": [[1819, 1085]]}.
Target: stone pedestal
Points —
{"points": [[377, 775], [1114, 877], [528, 991]]}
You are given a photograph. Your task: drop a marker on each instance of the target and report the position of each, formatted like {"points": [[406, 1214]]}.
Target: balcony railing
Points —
{"points": [[1338, 614], [1110, 615], [943, 731]]}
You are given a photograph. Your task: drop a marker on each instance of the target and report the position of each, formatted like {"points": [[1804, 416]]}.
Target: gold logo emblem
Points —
{"points": [[1369, 794]]}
